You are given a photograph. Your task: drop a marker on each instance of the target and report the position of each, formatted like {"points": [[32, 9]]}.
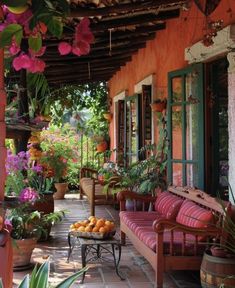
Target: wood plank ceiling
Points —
{"points": [[120, 27]]}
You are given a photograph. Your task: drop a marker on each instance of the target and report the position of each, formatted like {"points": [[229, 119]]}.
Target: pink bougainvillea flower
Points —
{"points": [[81, 48], [14, 49], [76, 51], [83, 32], [21, 62], [64, 48], [38, 53], [36, 65]]}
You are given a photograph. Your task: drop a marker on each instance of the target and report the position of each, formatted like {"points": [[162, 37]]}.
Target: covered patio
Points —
{"points": [[176, 53], [136, 270]]}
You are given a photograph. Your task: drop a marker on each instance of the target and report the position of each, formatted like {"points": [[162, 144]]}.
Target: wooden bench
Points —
{"points": [[172, 237], [92, 188]]}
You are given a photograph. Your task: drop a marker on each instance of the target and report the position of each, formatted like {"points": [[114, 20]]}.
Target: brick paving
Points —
{"points": [[136, 270]]}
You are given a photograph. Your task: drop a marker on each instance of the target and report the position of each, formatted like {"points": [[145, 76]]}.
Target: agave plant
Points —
{"points": [[40, 276]]}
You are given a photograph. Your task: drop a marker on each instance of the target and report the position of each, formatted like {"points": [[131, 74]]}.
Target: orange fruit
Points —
{"points": [[88, 229], [77, 225], [100, 223], [93, 221], [91, 218], [103, 230], [95, 229], [81, 229]]}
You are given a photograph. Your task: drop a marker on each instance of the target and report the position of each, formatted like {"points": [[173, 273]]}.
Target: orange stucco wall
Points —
{"points": [[166, 52]]}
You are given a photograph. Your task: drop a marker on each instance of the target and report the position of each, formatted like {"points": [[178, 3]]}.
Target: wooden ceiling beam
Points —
{"points": [[78, 11], [134, 20]]}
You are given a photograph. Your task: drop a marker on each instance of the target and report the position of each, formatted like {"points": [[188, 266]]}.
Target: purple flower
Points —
{"points": [[8, 225], [28, 195], [37, 168]]}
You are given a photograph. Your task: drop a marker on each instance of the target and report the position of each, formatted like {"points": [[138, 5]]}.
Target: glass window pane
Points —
{"points": [[191, 87], [177, 176], [192, 175], [223, 143], [223, 116], [192, 132], [177, 89], [177, 132]]}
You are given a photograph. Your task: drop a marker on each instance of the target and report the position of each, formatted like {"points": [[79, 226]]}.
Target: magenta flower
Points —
{"points": [[64, 48], [22, 62], [28, 195], [83, 32], [14, 49], [36, 65]]}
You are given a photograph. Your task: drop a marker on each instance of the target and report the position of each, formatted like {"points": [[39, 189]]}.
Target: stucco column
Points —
{"points": [[2, 128], [231, 120]]}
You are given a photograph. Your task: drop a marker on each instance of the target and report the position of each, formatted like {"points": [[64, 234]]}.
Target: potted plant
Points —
{"points": [[219, 261], [59, 146], [158, 105]]}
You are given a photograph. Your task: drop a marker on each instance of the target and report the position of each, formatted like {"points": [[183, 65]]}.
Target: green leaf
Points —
{"points": [[70, 280], [33, 277], [64, 6], [10, 31], [35, 43], [41, 279], [25, 282], [14, 3], [55, 26], [1, 284]]}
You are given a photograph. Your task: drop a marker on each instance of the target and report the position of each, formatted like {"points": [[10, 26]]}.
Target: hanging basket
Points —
{"points": [[158, 106], [102, 146]]}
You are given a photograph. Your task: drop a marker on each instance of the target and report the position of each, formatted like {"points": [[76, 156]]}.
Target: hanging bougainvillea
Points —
{"points": [[25, 24]]}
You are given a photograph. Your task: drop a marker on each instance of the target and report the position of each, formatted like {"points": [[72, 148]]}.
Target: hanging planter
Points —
{"points": [[158, 105], [108, 116], [102, 146]]}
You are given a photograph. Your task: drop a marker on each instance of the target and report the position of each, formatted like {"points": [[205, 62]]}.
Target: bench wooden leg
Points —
{"points": [[160, 261], [81, 193], [123, 238]]}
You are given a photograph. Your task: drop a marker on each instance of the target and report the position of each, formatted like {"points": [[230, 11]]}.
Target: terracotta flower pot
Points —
{"points": [[22, 251], [61, 189]]}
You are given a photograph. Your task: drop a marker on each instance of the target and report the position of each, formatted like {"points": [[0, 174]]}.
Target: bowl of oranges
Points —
{"points": [[93, 227]]}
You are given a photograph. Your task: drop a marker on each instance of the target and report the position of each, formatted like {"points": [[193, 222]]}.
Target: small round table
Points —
{"points": [[94, 249]]}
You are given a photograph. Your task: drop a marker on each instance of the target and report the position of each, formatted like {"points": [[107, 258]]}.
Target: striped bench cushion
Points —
{"points": [[192, 215], [168, 205]]}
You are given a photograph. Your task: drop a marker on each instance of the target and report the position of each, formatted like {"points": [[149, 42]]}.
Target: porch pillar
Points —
{"points": [[2, 128], [231, 121], [6, 267]]}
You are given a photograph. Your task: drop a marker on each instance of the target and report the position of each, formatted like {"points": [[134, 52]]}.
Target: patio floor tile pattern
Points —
{"points": [[136, 270]]}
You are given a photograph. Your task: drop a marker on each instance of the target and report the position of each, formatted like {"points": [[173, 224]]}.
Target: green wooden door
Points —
{"points": [[131, 145], [186, 127]]}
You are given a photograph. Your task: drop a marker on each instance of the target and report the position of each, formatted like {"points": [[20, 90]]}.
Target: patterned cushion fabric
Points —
{"points": [[168, 205], [141, 225], [192, 215]]}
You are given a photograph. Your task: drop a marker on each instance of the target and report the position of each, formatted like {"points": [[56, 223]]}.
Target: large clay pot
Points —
{"points": [[61, 189], [45, 203], [216, 271], [22, 251]]}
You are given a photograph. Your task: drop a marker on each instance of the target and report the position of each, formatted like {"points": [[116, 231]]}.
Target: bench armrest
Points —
{"points": [[122, 196], [88, 172], [162, 224]]}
